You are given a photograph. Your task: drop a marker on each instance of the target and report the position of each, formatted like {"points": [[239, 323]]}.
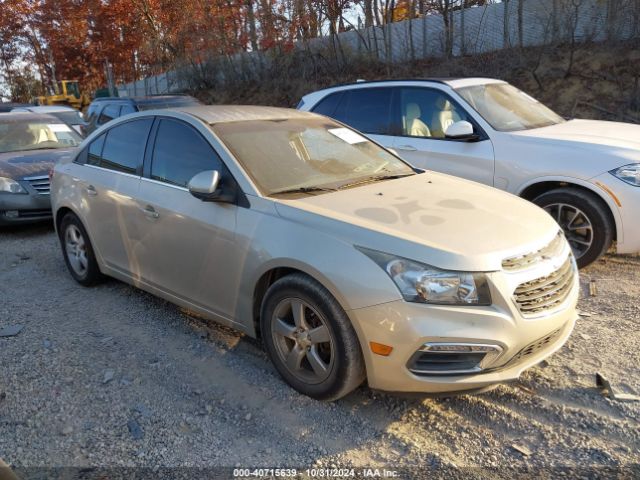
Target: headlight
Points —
{"points": [[629, 174], [10, 185], [418, 282]]}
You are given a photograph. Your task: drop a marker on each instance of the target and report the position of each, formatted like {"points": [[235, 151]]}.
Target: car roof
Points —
{"points": [[238, 113], [144, 100], [18, 117], [8, 106], [453, 82], [47, 109]]}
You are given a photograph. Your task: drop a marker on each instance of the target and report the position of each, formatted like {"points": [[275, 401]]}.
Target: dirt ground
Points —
{"points": [[111, 376]]}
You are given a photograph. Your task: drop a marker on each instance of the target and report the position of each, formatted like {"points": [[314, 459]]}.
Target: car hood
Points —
{"points": [[23, 164], [434, 218], [590, 134]]}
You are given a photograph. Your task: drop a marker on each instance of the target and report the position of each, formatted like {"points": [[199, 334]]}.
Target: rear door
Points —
{"points": [[422, 115], [365, 109], [186, 247], [109, 189]]}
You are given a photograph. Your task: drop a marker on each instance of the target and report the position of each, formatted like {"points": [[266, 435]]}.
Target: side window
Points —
{"points": [[427, 112], [92, 112], [327, 106], [124, 146], [109, 113], [366, 109], [95, 150], [127, 109], [180, 152]]}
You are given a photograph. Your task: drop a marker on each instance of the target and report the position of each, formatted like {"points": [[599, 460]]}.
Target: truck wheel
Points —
{"points": [[584, 219]]}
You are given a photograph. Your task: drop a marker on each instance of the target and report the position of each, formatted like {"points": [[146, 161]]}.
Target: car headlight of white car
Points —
{"points": [[423, 283], [11, 186], [629, 174]]}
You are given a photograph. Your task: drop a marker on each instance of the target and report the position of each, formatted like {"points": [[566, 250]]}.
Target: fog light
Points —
{"points": [[453, 358], [11, 214]]}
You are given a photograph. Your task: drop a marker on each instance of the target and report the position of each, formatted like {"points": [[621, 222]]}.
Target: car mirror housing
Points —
{"points": [[461, 130], [207, 186]]}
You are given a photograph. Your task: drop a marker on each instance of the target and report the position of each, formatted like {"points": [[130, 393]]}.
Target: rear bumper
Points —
{"points": [[407, 327]]}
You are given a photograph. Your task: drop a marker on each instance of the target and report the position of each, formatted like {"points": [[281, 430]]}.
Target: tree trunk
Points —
{"points": [[368, 13], [506, 43], [521, 23], [251, 20]]}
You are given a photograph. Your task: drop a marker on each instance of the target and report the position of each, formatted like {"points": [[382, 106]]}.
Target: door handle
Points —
{"points": [[150, 212], [406, 148], [91, 190]]}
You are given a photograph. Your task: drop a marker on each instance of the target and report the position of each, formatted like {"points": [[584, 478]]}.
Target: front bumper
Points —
{"points": [[19, 208], [407, 327], [624, 200]]}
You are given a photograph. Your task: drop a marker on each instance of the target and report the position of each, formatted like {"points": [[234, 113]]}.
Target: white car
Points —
{"points": [[585, 173]]}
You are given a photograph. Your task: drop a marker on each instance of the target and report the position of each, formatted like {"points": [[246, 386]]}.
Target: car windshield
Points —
{"points": [[35, 135], [70, 117], [508, 109], [307, 156]]}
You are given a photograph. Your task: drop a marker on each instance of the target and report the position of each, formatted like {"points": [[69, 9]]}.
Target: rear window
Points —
{"points": [[365, 109], [72, 118]]}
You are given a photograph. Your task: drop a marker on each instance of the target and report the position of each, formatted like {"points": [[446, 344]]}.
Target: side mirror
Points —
{"points": [[461, 130], [208, 186]]}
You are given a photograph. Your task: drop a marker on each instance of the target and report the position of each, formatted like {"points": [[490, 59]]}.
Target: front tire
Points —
{"points": [[310, 339], [78, 252], [584, 219]]}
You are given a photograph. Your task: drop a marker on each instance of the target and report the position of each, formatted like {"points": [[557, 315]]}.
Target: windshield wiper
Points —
{"points": [[374, 178], [309, 190]]}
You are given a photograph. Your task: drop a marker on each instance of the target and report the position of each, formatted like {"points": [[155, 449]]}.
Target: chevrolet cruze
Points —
{"points": [[346, 261]]}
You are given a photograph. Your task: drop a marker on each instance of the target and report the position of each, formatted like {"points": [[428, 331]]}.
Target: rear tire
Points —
{"points": [[584, 219], [78, 252], [310, 339]]}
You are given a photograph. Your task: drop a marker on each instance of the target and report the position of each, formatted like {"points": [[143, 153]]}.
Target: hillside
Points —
{"points": [[602, 83]]}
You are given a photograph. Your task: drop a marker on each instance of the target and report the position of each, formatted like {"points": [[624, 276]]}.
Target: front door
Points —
{"points": [[423, 115], [186, 246]]}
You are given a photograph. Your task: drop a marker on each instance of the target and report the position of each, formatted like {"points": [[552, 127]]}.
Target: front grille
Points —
{"points": [[521, 262], [41, 184], [536, 346], [545, 293]]}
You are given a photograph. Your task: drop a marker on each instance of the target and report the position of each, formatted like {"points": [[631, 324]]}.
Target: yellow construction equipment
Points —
{"points": [[65, 92]]}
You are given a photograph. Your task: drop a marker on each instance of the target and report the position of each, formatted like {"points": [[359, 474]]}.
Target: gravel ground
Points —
{"points": [[111, 376]]}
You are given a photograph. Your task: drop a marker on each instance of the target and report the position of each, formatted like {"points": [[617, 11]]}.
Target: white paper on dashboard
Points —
{"points": [[347, 135], [59, 127]]}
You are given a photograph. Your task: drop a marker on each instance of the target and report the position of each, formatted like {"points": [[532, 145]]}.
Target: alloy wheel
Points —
{"points": [[303, 340], [575, 224], [76, 249]]}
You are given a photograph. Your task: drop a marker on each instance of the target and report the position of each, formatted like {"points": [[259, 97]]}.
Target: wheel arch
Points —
{"points": [[537, 187], [59, 215], [276, 271]]}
